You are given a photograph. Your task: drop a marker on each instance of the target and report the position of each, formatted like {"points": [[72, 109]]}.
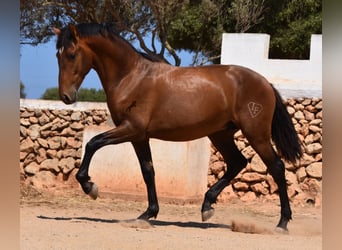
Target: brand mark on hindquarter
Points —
{"points": [[254, 109]]}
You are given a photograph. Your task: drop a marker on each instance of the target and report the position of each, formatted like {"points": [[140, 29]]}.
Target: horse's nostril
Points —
{"points": [[66, 99]]}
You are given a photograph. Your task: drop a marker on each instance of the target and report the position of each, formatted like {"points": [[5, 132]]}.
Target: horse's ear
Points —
{"points": [[56, 31], [73, 31]]}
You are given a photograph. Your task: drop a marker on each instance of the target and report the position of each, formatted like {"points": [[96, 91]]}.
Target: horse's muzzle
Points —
{"points": [[68, 99]]}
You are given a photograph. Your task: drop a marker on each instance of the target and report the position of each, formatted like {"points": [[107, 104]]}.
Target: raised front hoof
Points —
{"points": [[206, 215], [92, 190], [149, 213]]}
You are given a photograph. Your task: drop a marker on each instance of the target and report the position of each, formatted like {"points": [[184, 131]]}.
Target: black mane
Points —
{"points": [[93, 29]]}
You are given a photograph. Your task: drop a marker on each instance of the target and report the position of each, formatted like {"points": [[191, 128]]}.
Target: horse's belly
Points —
{"points": [[186, 131]]}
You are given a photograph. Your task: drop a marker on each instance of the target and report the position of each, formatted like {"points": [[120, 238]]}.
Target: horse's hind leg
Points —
{"points": [[143, 152], [224, 143], [277, 170]]}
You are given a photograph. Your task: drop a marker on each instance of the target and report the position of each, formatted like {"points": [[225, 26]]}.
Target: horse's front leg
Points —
{"points": [[143, 152], [122, 133]]}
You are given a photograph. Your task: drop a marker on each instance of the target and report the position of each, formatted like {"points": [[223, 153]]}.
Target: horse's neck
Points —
{"points": [[113, 60]]}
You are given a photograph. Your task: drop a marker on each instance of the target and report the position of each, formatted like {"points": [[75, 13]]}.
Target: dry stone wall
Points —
{"points": [[51, 151], [51, 143], [304, 179]]}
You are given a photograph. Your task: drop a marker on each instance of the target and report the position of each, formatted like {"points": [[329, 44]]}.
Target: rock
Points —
{"points": [[43, 119], [33, 120], [23, 131], [79, 153], [308, 115], [22, 155], [301, 174], [25, 122], [240, 145], [76, 116], [54, 142], [220, 175], [76, 126], [68, 132], [51, 165], [252, 177], [248, 152], [314, 148], [213, 157], [211, 180], [217, 167], [59, 126], [241, 186], [314, 128], [306, 102], [32, 168], [299, 115], [291, 110], [42, 142], [34, 131], [319, 105], [47, 126], [257, 165], [319, 157], [31, 157], [52, 153], [67, 164], [314, 170], [306, 160], [319, 115], [309, 139], [273, 185], [291, 178], [27, 145], [259, 189], [69, 153], [26, 114], [316, 122], [41, 155]]}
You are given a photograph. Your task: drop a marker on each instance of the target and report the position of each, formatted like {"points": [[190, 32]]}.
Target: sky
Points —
{"points": [[39, 69]]}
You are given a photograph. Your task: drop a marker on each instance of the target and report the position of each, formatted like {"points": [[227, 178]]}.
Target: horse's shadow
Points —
{"points": [[153, 223]]}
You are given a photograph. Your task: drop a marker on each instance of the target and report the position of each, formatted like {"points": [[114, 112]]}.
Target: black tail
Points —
{"points": [[284, 134]]}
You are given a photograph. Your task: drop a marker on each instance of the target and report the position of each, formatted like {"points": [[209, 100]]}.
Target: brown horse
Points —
{"points": [[151, 99]]}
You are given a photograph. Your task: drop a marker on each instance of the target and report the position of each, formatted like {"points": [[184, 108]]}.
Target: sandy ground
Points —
{"points": [[71, 220]]}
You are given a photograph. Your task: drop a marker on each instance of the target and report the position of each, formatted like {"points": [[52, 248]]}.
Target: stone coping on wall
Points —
{"points": [[58, 105]]}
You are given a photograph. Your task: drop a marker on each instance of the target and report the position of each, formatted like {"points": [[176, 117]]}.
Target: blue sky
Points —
{"points": [[39, 69]]}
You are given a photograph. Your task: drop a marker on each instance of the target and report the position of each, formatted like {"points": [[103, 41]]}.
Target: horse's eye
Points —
{"points": [[71, 56]]}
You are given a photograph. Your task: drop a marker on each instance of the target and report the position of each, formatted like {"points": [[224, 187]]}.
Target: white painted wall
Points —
{"points": [[293, 78], [181, 168]]}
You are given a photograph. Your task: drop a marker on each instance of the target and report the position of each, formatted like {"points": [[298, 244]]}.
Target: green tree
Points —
{"points": [[296, 22], [22, 90], [84, 94], [193, 25]]}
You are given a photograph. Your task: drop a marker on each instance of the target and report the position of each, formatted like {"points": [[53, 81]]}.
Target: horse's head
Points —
{"points": [[73, 60]]}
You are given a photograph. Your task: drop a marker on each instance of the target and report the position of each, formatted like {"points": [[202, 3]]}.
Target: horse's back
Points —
{"points": [[196, 101]]}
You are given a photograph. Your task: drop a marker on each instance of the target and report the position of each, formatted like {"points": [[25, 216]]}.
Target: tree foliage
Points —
{"points": [[22, 90], [296, 22], [163, 27], [84, 94]]}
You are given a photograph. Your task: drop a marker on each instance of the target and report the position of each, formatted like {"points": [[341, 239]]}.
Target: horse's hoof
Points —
{"points": [[94, 192], [206, 215], [149, 213], [281, 230]]}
